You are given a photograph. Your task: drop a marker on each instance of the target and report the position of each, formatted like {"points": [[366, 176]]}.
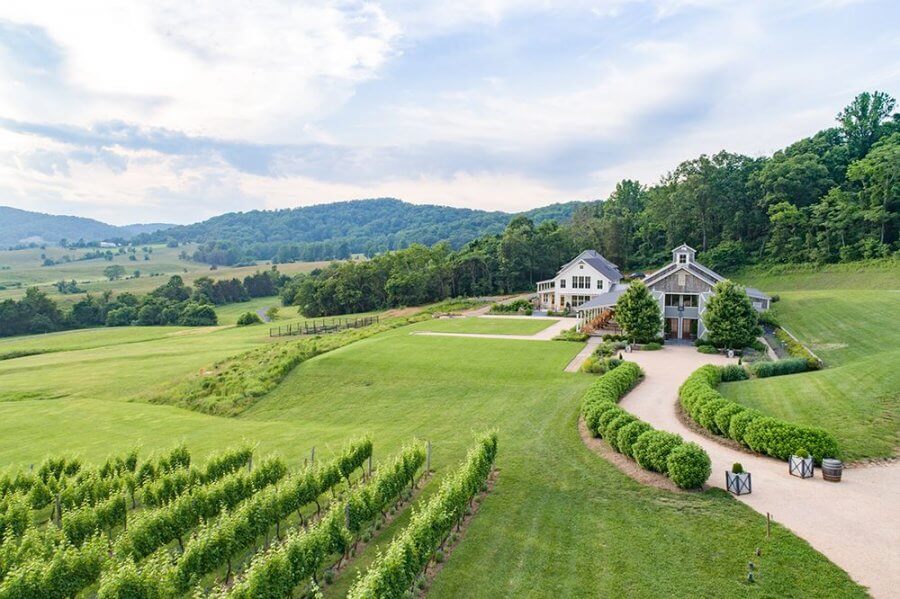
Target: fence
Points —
{"points": [[322, 326]]}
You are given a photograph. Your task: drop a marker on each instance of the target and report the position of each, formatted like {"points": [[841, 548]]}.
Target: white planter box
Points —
{"points": [[802, 467], [738, 484]]}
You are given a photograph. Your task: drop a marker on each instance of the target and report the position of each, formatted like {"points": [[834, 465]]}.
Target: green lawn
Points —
{"points": [[857, 333], [489, 326], [561, 520]]}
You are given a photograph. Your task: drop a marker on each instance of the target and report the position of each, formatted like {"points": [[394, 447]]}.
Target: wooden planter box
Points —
{"points": [[802, 467], [738, 484]]}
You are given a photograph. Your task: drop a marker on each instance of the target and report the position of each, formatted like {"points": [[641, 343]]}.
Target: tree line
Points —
{"points": [[832, 197], [172, 303]]}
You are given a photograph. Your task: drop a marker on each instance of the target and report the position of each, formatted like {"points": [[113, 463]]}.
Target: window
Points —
{"points": [[682, 258], [580, 266], [681, 279], [579, 282], [599, 283], [562, 283]]}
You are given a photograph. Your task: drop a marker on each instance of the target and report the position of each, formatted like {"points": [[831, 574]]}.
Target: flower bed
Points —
{"points": [[687, 464]]}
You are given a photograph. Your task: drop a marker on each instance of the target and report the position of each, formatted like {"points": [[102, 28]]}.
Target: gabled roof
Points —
{"points": [[593, 259], [604, 299], [684, 246], [704, 273]]}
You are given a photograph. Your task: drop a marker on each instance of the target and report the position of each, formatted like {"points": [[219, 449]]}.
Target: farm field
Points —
{"points": [[25, 269], [560, 520], [857, 333], [489, 326]]}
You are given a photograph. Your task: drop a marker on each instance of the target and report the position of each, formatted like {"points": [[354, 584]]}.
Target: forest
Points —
{"points": [[831, 197], [338, 230]]}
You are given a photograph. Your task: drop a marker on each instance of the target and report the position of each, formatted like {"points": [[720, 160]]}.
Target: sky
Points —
{"points": [[175, 111]]}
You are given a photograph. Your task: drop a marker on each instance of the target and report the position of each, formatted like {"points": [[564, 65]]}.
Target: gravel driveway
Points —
{"points": [[855, 523]]}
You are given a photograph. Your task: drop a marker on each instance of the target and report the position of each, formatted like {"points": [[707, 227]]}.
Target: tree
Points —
{"points": [[729, 317], [114, 271], [272, 313], [861, 121], [638, 314], [879, 175]]}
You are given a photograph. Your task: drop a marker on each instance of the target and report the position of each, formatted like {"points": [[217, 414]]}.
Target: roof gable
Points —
{"points": [[596, 261]]}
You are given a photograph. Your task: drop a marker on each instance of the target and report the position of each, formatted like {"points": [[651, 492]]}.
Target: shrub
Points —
{"points": [[595, 365], [780, 367], [802, 453], [572, 334], [737, 468], [707, 414], [652, 449], [615, 337], [739, 423], [780, 439], [734, 372], [607, 418], [628, 434], [688, 465], [613, 428], [592, 417], [652, 346], [707, 349], [767, 318], [248, 318], [723, 417]]}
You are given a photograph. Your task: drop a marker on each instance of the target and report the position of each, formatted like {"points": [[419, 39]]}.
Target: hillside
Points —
{"points": [[22, 226], [339, 229]]}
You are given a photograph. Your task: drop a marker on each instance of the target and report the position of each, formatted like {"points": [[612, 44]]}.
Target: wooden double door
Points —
{"points": [[682, 328]]}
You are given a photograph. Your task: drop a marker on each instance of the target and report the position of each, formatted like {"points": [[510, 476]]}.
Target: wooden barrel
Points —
{"points": [[832, 469]]}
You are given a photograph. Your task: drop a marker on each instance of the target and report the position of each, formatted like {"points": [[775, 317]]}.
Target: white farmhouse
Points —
{"points": [[587, 276]]}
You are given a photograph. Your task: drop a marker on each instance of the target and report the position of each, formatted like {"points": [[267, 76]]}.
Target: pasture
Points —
{"points": [[561, 520], [25, 271], [856, 331]]}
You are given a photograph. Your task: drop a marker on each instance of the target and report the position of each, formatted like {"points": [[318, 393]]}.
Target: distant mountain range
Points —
{"points": [[322, 231], [22, 227]]}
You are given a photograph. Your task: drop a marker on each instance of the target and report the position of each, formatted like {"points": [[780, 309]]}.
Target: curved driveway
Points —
{"points": [[855, 523]]}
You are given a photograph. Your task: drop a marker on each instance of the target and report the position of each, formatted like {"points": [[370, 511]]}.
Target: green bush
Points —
{"points": [[739, 423], [572, 334], [595, 365], [780, 367], [707, 414], [613, 428], [628, 434], [707, 349], [688, 465], [603, 394], [652, 449], [781, 440], [737, 468], [767, 318], [797, 350], [723, 417], [607, 418], [248, 318], [734, 372], [652, 346]]}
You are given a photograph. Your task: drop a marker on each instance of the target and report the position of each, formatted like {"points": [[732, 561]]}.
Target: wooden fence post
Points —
{"points": [[312, 456], [768, 524], [427, 457]]}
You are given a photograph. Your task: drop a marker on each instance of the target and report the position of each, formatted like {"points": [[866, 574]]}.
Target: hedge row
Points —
{"points": [[393, 572], [770, 436], [287, 565], [685, 463], [779, 367]]}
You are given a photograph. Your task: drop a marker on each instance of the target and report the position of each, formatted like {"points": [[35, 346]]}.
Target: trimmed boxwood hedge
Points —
{"points": [[770, 436], [632, 437]]}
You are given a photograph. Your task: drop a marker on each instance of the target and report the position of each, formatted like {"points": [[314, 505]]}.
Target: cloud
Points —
{"points": [[175, 111]]}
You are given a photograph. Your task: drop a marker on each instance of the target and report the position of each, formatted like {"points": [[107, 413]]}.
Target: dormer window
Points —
{"points": [[682, 258], [580, 266]]}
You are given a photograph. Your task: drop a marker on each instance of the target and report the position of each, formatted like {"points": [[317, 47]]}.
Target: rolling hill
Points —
{"points": [[22, 226]]}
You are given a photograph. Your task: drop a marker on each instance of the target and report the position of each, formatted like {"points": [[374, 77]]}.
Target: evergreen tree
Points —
{"points": [[638, 313], [729, 317]]}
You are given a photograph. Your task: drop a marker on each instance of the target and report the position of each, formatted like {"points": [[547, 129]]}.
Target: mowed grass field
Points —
{"points": [[25, 271], [561, 521], [489, 326], [857, 333]]}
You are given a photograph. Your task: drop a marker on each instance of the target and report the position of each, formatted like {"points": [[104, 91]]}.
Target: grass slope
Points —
{"points": [[489, 326], [561, 521], [857, 333]]}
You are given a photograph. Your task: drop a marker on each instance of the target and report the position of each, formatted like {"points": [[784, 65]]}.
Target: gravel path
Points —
{"points": [[855, 523]]}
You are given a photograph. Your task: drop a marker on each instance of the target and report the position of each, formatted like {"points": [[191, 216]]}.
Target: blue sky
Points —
{"points": [[176, 111]]}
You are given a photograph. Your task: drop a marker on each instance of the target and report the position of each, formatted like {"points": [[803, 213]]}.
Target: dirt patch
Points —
{"points": [[433, 568], [625, 464], [401, 312]]}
